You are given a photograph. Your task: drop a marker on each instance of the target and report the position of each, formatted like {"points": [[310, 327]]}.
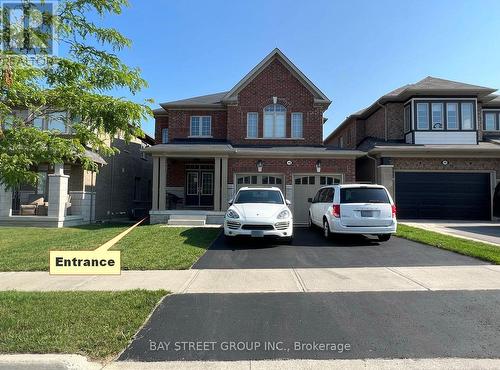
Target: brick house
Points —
{"points": [[434, 144], [67, 195], [266, 130]]}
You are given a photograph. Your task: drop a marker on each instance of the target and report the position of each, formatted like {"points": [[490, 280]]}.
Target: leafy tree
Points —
{"points": [[75, 88]]}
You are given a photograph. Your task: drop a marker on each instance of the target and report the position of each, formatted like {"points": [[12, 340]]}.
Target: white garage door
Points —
{"points": [[304, 187], [260, 180]]}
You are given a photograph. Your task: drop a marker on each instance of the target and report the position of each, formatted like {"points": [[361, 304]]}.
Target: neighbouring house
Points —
{"points": [[68, 195], [267, 130], [434, 144]]}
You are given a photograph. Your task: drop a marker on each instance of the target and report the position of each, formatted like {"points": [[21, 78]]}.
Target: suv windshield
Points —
{"points": [[363, 195], [259, 196]]}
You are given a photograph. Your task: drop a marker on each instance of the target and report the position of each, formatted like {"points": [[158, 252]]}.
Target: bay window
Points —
{"points": [[275, 121], [407, 118], [467, 116], [452, 116], [437, 116], [422, 116]]}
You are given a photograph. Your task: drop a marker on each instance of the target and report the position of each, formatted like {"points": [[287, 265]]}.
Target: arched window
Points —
{"points": [[274, 121]]}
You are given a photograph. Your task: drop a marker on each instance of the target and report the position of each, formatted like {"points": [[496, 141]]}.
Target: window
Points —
{"points": [[422, 116], [252, 124], [341, 142], [437, 116], [164, 135], [467, 116], [452, 116], [490, 123], [275, 121], [297, 131], [363, 195], [56, 121], [201, 126], [407, 118]]}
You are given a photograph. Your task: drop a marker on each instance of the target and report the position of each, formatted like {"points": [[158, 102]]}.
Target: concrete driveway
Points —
{"points": [[310, 250], [488, 232]]}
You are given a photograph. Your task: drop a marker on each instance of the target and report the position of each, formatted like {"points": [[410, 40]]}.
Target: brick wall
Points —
{"points": [[161, 122], [278, 165], [454, 164], [276, 80]]}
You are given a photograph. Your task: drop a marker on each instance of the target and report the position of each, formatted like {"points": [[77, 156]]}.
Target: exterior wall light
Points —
{"points": [[318, 166], [259, 165], [289, 163], [445, 162]]}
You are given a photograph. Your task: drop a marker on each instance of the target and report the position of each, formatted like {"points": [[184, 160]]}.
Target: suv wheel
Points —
{"points": [[384, 237], [326, 229], [309, 222]]}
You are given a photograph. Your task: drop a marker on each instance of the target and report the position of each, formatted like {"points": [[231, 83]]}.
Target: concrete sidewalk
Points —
{"points": [[76, 362], [364, 279], [484, 232]]}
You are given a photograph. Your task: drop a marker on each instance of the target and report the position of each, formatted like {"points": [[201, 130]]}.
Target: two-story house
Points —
{"points": [[66, 194], [434, 144], [267, 130]]}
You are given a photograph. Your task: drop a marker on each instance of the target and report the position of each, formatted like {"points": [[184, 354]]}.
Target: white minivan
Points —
{"points": [[354, 209]]}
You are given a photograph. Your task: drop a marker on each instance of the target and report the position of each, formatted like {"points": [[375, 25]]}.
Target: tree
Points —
{"points": [[75, 89]]}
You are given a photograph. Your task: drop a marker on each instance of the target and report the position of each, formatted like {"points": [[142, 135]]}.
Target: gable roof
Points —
{"points": [[232, 95], [210, 100], [429, 86]]}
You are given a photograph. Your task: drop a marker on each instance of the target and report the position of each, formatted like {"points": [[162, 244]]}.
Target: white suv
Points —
{"points": [[354, 209]]}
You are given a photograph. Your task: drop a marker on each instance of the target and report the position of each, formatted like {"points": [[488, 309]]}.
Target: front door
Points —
{"points": [[199, 188]]}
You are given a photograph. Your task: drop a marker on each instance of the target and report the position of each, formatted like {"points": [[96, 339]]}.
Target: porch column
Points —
{"points": [[58, 192], [223, 196], [385, 176], [217, 184], [154, 193], [5, 201], [162, 196]]}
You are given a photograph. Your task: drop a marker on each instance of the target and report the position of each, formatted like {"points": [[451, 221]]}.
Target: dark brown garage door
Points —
{"points": [[443, 195]]}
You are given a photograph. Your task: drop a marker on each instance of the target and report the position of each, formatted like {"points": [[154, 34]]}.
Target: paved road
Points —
{"points": [[375, 325], [309, 249]]}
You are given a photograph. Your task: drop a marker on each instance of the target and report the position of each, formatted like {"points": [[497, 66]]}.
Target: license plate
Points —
{"points": [[257, 234], [366, 213]]}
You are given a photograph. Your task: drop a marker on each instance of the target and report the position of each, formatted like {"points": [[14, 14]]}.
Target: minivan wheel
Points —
{"points": [[384, 237], [326, 229]]}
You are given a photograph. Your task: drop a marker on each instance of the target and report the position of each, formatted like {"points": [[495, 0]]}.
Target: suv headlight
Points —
{"points": [[232, 214], [283, 214]]}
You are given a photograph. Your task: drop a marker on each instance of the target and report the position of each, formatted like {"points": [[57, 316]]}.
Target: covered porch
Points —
{"points": [[189, 183], [64, 195]]}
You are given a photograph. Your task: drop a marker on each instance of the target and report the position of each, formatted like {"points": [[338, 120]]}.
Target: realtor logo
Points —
{"points": [[27, 28]]}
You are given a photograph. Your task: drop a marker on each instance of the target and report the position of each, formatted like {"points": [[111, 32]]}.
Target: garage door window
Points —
{"points": [[305, 180], [271, 180], [328, 180], [247, 180]]}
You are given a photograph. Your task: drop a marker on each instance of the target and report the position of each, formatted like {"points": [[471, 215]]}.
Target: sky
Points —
{"points": [[354, 51]]}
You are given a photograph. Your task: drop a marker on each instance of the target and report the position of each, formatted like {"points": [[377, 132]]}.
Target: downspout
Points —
{"points": [[92, 189], [386, 132], [375, 180]]}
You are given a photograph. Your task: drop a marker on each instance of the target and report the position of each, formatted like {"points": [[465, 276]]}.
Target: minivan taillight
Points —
{"points": [[393, 211], [336, 210]]}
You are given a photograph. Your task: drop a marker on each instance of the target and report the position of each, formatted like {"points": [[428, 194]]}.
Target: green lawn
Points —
{"points": [[471, 248], [148, 247], [94, 324]]}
